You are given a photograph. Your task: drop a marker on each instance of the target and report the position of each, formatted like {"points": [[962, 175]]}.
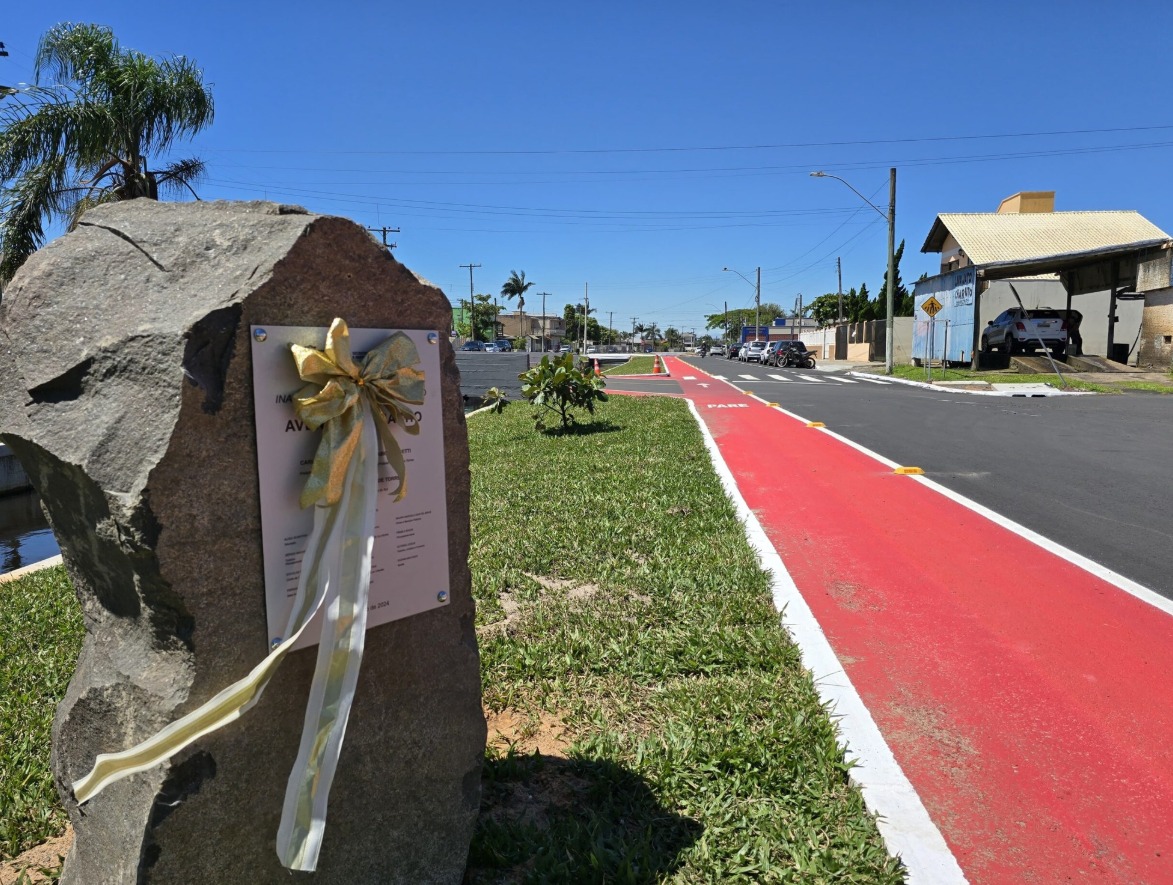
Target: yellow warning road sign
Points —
{"points": [[932, 306]]}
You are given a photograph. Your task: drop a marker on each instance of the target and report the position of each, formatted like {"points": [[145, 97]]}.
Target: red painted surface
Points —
{"points": [[1030, 706]]}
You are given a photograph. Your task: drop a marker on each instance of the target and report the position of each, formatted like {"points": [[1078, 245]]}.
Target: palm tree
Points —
{"points": [[88, 138], [515, 287]]}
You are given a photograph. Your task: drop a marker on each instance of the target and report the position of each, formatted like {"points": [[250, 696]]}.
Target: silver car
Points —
{"points": [[752, 352]]}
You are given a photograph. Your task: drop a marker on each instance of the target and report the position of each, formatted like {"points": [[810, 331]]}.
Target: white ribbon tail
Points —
{"points": [[230, 703], [344, 566]]}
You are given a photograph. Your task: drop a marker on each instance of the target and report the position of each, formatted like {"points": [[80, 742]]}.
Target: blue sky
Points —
{"points": [[641, 147]]}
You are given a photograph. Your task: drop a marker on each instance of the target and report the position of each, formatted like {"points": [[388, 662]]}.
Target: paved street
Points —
{"points": [[1027, 698], [1090, 472]]}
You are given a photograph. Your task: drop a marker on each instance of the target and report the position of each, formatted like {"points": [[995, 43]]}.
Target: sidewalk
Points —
{"points": [[1027, 698]]}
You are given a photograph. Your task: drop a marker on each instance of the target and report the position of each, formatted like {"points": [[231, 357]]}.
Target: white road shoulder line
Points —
{"points": [[902, 819]]}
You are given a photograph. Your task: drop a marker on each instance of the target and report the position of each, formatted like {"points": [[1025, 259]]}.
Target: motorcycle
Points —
{"points": [[800, 359]]}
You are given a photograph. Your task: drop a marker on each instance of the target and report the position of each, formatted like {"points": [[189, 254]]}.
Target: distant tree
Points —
{"points": [[672, 338], [901, 298], [516, 287], [486, 316], [90, 137], [825, 309], [741, 317]]}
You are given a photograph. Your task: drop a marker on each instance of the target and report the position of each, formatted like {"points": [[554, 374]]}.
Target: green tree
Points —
{"points": [[486, 317], [672, 338], [516, 287], [902, 305], [91, 137], [741, 317]]}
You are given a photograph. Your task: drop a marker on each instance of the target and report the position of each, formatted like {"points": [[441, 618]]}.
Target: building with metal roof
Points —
{"points": [[1097, 257]]}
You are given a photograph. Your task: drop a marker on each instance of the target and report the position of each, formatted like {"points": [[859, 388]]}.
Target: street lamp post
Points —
{"points": [[757, 300], [890, 215]]}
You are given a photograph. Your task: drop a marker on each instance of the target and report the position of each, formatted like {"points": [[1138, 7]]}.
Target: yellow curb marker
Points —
{"points": [[815, 424], [772, 405], [908, 471]]}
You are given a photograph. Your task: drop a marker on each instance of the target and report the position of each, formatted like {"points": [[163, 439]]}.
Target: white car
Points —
{"points": [[1017, 330], [752, 351]]}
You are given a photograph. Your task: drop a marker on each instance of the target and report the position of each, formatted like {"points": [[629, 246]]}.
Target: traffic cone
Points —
{"points": [[656, 370], [598, 374]]}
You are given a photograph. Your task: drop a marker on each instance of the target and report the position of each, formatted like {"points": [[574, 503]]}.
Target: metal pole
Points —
{"points": [[889, 331], [839, 268], [757, 314], [586, 312]]}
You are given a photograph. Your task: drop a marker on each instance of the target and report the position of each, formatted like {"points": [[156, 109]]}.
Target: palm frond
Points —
{"points": [[181, 176], [22, 213]]}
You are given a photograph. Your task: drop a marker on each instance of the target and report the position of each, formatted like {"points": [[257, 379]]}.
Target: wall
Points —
{"points": [[1155, 349]]}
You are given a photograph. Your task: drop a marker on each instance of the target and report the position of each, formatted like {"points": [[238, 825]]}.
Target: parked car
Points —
{"points": [[768, 358], [717, 350], [733, 351], [752, 352], [473, 345], [504, 345], [1016, 330], [592, 350], [794, 353], [565, 348], [491, 347]]}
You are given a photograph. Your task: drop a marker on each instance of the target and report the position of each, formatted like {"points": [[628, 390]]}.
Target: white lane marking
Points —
{"points": [[1129, 586], [750, 377], [873, 380], [688, 378], [781, 378], [812, 378], [719, 377], [902, 818], [842, 380]]}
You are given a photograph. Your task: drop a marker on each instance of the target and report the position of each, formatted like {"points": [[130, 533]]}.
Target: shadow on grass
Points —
{"points": [[580, 429], [549, 819]]}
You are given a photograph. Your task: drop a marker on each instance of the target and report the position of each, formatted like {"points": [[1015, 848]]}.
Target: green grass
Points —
{"points": [[914, 373], [696, 747], [40, 637], [637, 365]]}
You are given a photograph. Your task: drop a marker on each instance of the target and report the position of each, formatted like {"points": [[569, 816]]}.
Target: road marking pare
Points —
{"points": [[727, 405]]}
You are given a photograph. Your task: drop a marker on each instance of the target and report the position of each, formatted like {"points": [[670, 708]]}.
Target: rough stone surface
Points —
{"points": [[127, 394]]}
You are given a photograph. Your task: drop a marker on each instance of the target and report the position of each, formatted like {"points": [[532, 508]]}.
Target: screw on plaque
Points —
{"points": [[433, 338], [260, 334], [442, 596], [274, 642]]}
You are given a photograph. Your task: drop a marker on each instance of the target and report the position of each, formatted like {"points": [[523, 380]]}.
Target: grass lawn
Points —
{"points": [[649, 718], [637, 365], [913, 373], [40, 637]]}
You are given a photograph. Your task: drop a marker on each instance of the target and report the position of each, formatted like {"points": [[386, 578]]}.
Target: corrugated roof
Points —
{"points": [[998, 238]]}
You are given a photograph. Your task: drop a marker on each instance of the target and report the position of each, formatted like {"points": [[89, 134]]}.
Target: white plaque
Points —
{"points": [[409, 568]]}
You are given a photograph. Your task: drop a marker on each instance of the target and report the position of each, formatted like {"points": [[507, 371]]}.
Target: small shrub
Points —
{"points": [[496, 399], [558, 386]]}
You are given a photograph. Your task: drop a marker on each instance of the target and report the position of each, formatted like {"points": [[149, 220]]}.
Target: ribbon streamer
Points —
{"points": [[352, 404]]}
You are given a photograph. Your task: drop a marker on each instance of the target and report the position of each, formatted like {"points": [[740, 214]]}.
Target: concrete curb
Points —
{"points": [[1033, 392], [29, 569]]}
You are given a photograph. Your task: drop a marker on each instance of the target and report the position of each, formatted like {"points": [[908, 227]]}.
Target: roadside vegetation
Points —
{"points": [[637, 365], [914, 373], [40, 638], [649, 719]]}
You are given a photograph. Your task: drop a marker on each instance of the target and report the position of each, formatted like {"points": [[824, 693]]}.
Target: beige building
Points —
{"points": [[534, 326]]}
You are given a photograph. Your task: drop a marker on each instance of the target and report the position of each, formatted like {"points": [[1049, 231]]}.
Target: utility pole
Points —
{"points": [[757, 314], [472, 305], [631, 344], [610, 327], [388, 230], [839, 268], [889, 331], [727, 341], [543, 294], [586, 313]]}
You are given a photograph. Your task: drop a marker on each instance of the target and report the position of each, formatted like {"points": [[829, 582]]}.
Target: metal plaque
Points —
{"points": [[409, 569]]}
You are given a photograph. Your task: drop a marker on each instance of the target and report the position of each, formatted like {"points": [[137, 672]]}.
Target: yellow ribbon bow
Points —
{"points": [[389, 384]]}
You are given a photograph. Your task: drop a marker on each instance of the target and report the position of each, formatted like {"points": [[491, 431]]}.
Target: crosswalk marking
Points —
{"points": [[812, 378], [844, 380], [719, 377], [750, 377], [875, 380], [781, 378]]}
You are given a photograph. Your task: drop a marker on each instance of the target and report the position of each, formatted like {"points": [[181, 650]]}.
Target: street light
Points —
{"points": [[890, 216], [757, 299]]}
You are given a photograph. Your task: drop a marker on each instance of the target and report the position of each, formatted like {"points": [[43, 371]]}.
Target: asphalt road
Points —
{"points": [[1094, 473]]}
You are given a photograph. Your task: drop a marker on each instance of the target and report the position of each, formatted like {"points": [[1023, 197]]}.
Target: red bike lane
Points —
{"points": [[1031, 708]]}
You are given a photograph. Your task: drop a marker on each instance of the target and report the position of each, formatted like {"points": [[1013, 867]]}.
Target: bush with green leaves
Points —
{"points": [[559, 386]]}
